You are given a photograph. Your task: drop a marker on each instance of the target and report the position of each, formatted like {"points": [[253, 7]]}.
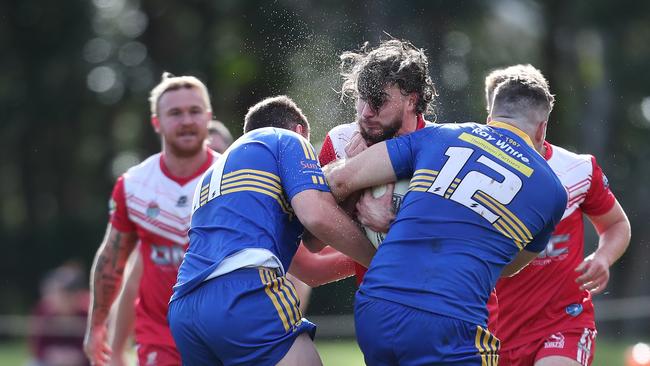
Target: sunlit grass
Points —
{"points": [[343, 352]]}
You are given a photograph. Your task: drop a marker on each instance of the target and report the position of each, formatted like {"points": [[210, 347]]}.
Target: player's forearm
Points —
{"points": [[344, 235], [123, 325], [123, 320], [106, 274], [316, 269], [338, 180], [104, 285], [614, 241]]}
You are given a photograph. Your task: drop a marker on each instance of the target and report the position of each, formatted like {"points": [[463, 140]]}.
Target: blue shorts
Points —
{"points": [[393, 334], [246, 317]]}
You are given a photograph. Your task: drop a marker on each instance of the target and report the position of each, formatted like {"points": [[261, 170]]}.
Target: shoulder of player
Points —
{"points": [[144, 168], [344, 131], [563, 161]]}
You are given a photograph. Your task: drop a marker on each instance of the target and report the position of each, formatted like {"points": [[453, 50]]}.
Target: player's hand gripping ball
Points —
{"points": [[401, 188]]}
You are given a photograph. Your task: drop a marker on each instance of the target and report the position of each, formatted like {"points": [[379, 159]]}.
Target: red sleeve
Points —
{"points": [[119, 216], [359, 272], [600, 198], [327, 153]]}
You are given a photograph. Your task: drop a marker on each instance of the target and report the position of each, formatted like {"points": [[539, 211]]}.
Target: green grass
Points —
{"points": [[344, 352]]}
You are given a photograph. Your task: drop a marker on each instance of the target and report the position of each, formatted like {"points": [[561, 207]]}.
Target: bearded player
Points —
{"points": [[392, 90], [556, 326], [151, 204]]}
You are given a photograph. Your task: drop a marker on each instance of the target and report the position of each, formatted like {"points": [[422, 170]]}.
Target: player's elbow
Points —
{"points": [[338, 181], [313, 220]]}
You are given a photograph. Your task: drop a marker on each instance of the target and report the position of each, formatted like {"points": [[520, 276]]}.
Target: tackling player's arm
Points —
{"points": [[370, 168], [320, 215], [123, 317], [105, 280], [520, 261], [317, 269], [614, 234]]}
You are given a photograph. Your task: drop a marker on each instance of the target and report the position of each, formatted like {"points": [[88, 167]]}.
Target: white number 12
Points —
{"points": [[474, 181]]}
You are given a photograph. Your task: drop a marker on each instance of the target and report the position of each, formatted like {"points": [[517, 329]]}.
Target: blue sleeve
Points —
{"points": [[299, 167], [403, 151], [540, 240]]}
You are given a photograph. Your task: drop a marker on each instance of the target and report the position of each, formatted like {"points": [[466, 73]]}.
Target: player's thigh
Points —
{"points": [[250, 317], [392, 334], [557, 361], [573, 347], [189, 344], [374, 327], [302, 352]]}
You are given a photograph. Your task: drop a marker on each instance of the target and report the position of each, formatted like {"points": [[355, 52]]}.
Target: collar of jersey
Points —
{"points": [[512, 129]]}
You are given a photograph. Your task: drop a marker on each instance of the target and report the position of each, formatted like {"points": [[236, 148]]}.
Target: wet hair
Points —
{"points": [[279, 111], [368, 72], [498, 76], [171, 82]]}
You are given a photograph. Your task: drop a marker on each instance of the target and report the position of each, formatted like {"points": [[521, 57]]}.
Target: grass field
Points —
{"points": [[338, 353]]}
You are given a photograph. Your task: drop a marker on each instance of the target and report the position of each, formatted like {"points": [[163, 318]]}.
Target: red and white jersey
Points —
{"points": [[544, 298], [149, 200], [334, 148]]}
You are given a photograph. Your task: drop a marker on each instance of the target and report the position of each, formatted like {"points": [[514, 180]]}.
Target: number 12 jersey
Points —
{"points": [[478, 195]]}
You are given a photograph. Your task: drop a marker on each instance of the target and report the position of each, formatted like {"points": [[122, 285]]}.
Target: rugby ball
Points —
{"points": [[401, 188]]}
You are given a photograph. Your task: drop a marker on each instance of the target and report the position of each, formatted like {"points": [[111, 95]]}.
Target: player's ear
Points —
{"points": [[301, 130], [155, 123], [413, 100], [540, 134]]}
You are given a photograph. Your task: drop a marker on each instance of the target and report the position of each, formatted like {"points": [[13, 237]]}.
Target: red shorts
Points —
{"points": [[576, 344], [158, 355]]}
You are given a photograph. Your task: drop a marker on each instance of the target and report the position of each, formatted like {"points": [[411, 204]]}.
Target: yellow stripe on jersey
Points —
{"points": [[314, 179], [507, 223], [418, 189], [517, 223], [479, 347], [283, 204], [321, 180], [278, 291], [503, 229], [250, 177], [496, 152], [423, 177], [496, 346], [308, 150], [487, 346], [252, 171], [426, 171], [267, 280], [289, 303], [419, 184], [251, 182], [203, 195], [295, 300], [422, 180]]}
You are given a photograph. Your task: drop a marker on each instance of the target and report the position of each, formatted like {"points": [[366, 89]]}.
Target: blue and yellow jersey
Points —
{"points": [[244, 202], [478, 195]]}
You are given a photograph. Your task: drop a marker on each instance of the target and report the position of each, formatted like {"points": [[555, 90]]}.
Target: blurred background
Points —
{"points": [[75, 77]]}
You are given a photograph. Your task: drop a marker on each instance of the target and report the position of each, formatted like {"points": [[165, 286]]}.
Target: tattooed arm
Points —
{"points": [[105, 280]]}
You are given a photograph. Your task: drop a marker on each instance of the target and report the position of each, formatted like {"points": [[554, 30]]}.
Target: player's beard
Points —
{"points": [[379, 132], [185, 150]]}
